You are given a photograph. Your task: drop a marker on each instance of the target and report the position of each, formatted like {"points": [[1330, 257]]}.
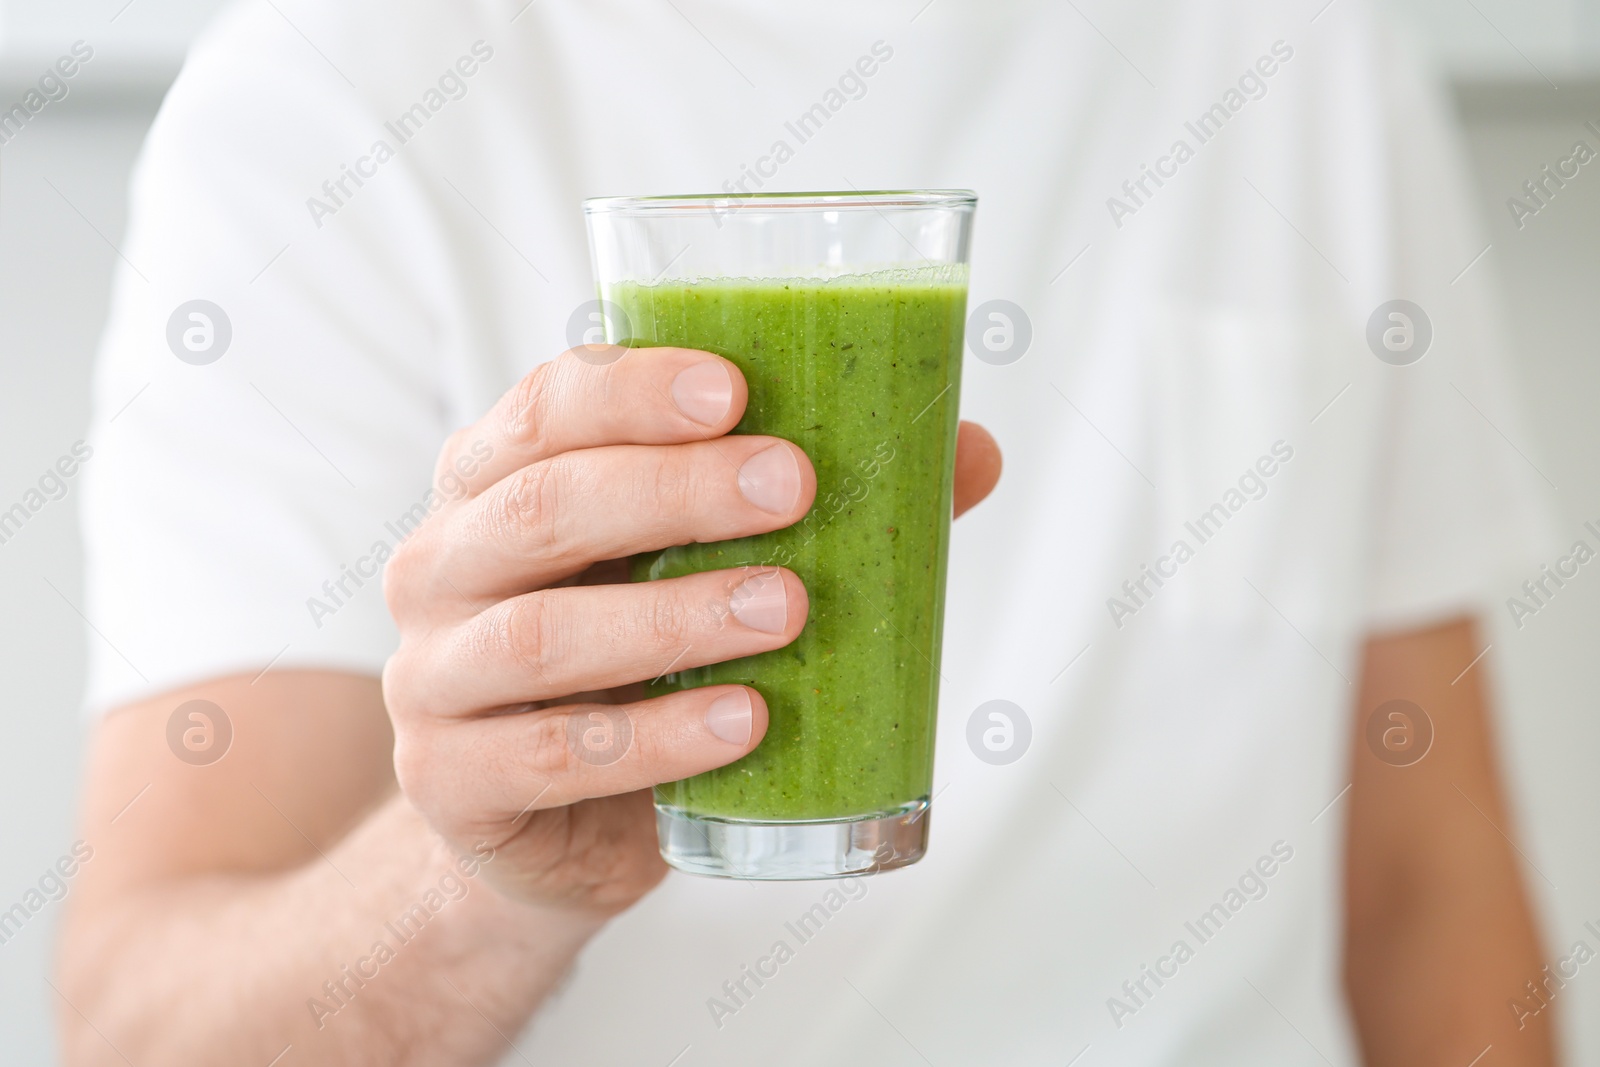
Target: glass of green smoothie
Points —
{"points": [[845, 313]]}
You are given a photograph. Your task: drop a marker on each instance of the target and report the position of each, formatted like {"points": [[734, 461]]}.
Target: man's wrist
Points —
{"points": [[486, 911]]}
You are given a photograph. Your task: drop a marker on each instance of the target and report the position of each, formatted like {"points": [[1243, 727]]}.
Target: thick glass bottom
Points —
{"points": [[791, 851]]}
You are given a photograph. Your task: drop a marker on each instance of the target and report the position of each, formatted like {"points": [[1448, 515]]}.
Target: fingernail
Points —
{"points": [[704, 392], [762, 603], [729, 717], [770, 480]]}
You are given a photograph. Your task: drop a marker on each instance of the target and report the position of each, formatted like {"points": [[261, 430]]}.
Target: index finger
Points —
{"points": [[646, 396]]}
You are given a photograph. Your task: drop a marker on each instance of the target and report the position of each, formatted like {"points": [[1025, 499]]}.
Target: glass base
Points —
{"points": [[791, 851]]}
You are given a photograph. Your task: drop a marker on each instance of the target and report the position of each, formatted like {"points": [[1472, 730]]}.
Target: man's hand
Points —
{"points": [[590, 463], [265, 878]]}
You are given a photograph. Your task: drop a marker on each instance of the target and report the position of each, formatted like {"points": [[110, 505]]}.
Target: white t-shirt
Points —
{"points": [[1198, 372]]}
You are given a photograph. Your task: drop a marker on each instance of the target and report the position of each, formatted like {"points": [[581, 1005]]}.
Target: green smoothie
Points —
{"points": [[863, 373]]}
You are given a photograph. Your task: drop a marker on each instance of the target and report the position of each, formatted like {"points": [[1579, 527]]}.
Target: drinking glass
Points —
{"points": [[845, 313]]}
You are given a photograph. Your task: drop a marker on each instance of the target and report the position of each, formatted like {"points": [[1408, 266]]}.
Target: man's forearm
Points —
{"points": [[384, 952], [1441, 933], [1432, 970]]}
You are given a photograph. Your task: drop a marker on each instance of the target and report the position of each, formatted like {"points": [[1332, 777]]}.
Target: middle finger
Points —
{"points": [[555, 642], [553, 518]]}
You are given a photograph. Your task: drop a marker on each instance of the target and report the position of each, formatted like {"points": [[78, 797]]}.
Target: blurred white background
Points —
{"points": [[1526, 75]]}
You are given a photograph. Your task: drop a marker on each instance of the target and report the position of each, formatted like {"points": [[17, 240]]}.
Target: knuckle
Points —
{"points": [[393, 681], [410, 767], [405, 680], [430, 782], [549, 745], [673, 619], [527, 411], [659, 620], [671, 485], [524, 631], [414, 770], [406, 576], [528, 511], [652, 747], [596, 735]]}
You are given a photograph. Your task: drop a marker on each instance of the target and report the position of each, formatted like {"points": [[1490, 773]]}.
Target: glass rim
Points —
{"points": [[873, 199]]}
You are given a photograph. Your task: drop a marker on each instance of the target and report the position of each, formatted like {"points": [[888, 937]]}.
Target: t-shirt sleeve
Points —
{"points": [[1463, 505], [267, 397]]}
